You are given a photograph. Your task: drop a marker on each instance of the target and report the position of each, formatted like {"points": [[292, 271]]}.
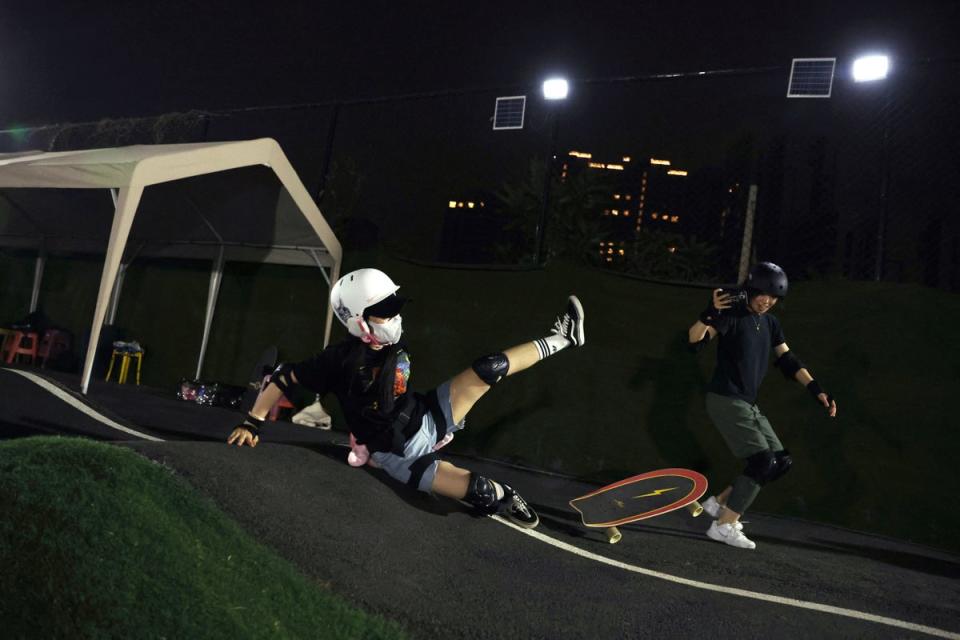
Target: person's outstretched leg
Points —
{"points": [[469, 385], [488, 495]]}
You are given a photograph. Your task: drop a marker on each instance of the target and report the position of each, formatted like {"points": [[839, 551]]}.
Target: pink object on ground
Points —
{"points": [[359, 455]]}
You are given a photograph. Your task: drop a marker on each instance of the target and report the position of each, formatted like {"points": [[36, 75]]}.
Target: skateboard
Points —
{"points": [[265, 365], [640, 497]]}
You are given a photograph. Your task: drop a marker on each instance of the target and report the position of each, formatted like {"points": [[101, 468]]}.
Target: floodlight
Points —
{"points": [[870, 68], [555, 89]]}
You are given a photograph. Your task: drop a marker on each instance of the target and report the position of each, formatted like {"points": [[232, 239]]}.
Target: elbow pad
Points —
{"points": [[789, 364], [281, 377]]}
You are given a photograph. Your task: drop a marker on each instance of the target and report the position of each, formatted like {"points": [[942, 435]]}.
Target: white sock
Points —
{"points": [[551, 344]]}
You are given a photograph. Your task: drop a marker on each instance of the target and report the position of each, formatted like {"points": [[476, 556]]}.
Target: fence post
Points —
{"points": [[747, 234]]}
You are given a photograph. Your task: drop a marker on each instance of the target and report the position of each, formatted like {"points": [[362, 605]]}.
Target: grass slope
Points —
{"points": [[96, 541]]}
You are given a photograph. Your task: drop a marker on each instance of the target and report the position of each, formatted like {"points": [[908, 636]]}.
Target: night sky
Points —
{"points": [[78, 61]]}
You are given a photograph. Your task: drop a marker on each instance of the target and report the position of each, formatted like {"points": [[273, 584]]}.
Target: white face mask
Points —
{"points": [[389, 332]]}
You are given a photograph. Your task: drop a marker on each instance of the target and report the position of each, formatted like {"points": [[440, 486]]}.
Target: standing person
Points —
{"points": [[748, 333], [368, 373]]}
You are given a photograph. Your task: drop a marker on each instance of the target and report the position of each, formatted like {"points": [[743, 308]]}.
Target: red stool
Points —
{"points": [[54, 343], [24, 343], [282, 403]]}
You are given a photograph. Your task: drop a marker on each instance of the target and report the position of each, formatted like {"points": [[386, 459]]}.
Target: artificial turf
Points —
{"points": [[98, 542]]}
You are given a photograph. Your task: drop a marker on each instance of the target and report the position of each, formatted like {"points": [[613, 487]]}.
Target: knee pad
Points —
{"points": [[783, 462], [482, 493], [281, 377], [760, 466], [491, 368]]}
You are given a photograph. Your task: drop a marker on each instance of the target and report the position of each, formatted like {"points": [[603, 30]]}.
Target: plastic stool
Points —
{"points": [[54, 343], [6, 335], [125, 358], [281, 403], [15, 346]]}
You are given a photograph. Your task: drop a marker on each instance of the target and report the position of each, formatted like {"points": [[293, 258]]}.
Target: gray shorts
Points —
{"points": [[420, 447], [746, 430]]}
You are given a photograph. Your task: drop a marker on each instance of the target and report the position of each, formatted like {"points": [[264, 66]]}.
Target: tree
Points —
{"points": [[573, 226]]}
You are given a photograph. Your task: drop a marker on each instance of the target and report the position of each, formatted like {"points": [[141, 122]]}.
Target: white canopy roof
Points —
{"points": [[219, 200]]}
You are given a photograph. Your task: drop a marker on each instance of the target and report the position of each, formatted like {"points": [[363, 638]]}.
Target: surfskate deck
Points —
{"points": [[640, 497], [266, 364]]}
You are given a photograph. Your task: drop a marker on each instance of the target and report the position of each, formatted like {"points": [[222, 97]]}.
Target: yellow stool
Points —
{"points": [[125, 358]]}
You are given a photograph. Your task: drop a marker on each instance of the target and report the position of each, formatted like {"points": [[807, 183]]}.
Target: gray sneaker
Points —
{"points": [[730, 534], [569, 324]]}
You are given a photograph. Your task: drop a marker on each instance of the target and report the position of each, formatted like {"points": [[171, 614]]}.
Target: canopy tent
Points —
{"points": [[219, 200]]}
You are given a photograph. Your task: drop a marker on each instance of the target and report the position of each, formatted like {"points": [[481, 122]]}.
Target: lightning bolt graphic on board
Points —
{"points": [[656, 492]]}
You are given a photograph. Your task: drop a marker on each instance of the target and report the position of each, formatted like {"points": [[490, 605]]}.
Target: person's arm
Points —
{"points": [[248, 431], [704, 329], [793, 369]]}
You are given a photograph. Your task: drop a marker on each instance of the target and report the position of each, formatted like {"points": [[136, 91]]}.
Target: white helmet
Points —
{"points": [[355, 292]]}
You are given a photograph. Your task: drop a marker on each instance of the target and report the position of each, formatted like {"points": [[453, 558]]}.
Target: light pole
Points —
{"points": [[554, 90], [872, 68]]}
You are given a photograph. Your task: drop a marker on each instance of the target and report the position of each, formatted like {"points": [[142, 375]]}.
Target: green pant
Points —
{"points": [[746, 431]]}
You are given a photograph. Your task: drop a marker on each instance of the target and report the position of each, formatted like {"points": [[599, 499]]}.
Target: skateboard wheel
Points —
{"points": [[613, 535]]}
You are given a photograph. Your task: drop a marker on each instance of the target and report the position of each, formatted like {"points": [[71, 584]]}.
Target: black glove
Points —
{"points": [[710, 315], [251, 424]]}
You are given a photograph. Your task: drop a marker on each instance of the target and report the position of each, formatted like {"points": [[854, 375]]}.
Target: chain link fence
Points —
{"points": [[678, 177]]}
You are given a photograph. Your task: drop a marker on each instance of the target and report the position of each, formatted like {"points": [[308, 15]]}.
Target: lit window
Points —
{"points": [[581, 154], [616, 167], [616, 196], [621, 252], [452, 204], [672, 249], [676, 172], [481, 204], [656, 161], [470, 205], [655, 215], [674, 218], [628, 196], [626, 158], [596, 165]]}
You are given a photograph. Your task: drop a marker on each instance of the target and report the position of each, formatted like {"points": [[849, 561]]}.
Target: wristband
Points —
{"points": [[814, 388], [252, 424], [710, 315]]}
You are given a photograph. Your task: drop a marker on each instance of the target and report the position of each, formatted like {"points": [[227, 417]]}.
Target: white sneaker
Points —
{"points": [[712, 507], [730, 534], [569, 324]]}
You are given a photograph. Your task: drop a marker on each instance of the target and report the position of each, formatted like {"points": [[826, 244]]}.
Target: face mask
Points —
{"points": [[389, 332]]}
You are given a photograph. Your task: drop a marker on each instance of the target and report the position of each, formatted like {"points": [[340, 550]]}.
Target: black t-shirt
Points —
{"points": [[371, 386], [743, 352]]}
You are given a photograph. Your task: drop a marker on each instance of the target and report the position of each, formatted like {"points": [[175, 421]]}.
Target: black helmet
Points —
{"points": [[767, 278]]}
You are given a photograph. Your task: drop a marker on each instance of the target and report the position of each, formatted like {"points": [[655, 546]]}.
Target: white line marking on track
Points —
{"points": [[743, 593], [80, 406]]}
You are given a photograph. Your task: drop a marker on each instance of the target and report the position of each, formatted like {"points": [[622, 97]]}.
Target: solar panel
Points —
{"points": [[811, 77], [508, 112]]}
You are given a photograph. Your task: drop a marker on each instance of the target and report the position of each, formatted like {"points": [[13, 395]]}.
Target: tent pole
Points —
{"points": [[216, 275], [126, 209], [38, 278], [334, 276], [115, 293]]}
